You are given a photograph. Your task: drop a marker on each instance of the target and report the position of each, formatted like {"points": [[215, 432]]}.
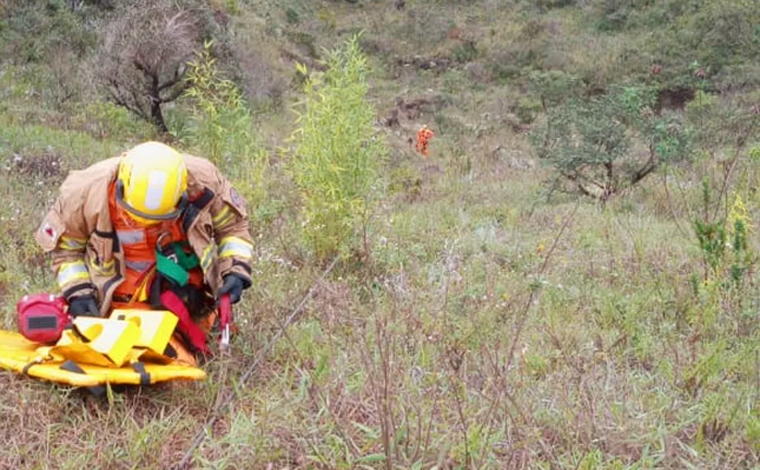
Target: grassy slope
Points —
{"points": [[493, 327]]}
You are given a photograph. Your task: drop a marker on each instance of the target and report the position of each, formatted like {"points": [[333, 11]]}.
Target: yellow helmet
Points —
{"points": [[151, 183]]}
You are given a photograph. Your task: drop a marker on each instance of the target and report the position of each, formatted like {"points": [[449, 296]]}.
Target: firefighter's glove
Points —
{"points": [[83, 305], [234, 285]]}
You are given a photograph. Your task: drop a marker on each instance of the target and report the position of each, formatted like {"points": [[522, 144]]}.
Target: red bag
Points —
{"points": [[42, 317]]}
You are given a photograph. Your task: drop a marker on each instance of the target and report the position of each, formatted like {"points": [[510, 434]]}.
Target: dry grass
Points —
{"points": [[490, 327]]}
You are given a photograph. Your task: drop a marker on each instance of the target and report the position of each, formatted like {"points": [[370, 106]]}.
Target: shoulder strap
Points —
{"points": [[194, 208]]}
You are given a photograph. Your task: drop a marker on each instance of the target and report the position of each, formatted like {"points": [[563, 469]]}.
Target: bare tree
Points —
{"points": [[143, 57]]}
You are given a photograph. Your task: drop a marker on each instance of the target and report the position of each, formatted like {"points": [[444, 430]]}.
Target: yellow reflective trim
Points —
{"points": [[207, 257], [72, 272], [105, 269], [237, 247], [238, 240], [71, 244], [236, 253], [225, 221], [222, 214]]}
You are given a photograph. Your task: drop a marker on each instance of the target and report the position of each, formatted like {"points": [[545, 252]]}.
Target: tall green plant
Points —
{"points": [[723, 241], [337, 154], [222, 127]]}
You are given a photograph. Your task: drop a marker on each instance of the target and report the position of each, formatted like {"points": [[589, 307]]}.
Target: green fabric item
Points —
{"points": [[172, 270], [177, 270], [187, 261]]}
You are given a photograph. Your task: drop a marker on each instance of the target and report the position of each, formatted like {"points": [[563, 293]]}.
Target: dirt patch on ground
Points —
{"points": [[44, 166], [411, 109], [673, 99], [441, 64]]}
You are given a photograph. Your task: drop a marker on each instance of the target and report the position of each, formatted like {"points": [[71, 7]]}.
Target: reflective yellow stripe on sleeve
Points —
{"points": [[235, 247], [72, 273], [207, 257], [224, 217], [71, 243]]}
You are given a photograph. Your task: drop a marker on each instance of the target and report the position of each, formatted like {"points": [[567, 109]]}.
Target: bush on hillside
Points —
{"points": [[42, 44], [337, 153], [723, 238], [35, 31], [593, 143], [727, 32], [719, 34], [545, 5], [144, 54], [723, 122], [222, 130]]}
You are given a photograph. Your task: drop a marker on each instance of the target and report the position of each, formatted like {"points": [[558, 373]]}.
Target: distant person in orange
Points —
{"points": [[423, 137]]}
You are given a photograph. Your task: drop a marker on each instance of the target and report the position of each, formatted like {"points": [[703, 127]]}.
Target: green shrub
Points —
{"points": [[723, 240], [37, 30], [727, 32], [305, 42], [337, 154], [549, 4], [232, 7], [527, 109], [554, 87], [611, 15], [722, 123], [449, 125], [699, 109], [465, 52], [221, 128], [103, 119], [590, 142], [292, 16]]}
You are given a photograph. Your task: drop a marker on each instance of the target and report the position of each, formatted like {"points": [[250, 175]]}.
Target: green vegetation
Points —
{"points": [[221, 128], [337, 153], [591, 142], [476, 322]]}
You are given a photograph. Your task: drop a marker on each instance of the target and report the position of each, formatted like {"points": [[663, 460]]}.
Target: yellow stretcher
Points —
{"points": [[126, 349]]}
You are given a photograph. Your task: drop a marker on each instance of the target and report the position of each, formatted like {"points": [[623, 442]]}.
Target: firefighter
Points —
{"points": [[152, 228], [423, 139]]}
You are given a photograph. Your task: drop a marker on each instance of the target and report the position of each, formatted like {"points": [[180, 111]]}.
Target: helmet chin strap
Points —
{"points": [[170, 216]]}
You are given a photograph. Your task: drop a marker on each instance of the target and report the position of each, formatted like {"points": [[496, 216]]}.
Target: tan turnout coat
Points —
{"points": [[85, 249]]}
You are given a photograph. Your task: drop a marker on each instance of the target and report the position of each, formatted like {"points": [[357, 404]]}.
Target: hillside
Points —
{"points": [[516, 299]]}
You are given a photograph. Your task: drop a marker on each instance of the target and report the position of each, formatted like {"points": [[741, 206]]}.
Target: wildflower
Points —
{"points": [[739, 214]]}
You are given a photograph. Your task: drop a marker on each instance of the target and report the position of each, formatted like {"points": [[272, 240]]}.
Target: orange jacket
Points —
{"points": [[139, 246], [87, 256], [423, 138]]}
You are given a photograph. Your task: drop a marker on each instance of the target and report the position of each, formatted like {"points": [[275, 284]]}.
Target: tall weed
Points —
{"points": [[221, 128], [337, 153]]}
